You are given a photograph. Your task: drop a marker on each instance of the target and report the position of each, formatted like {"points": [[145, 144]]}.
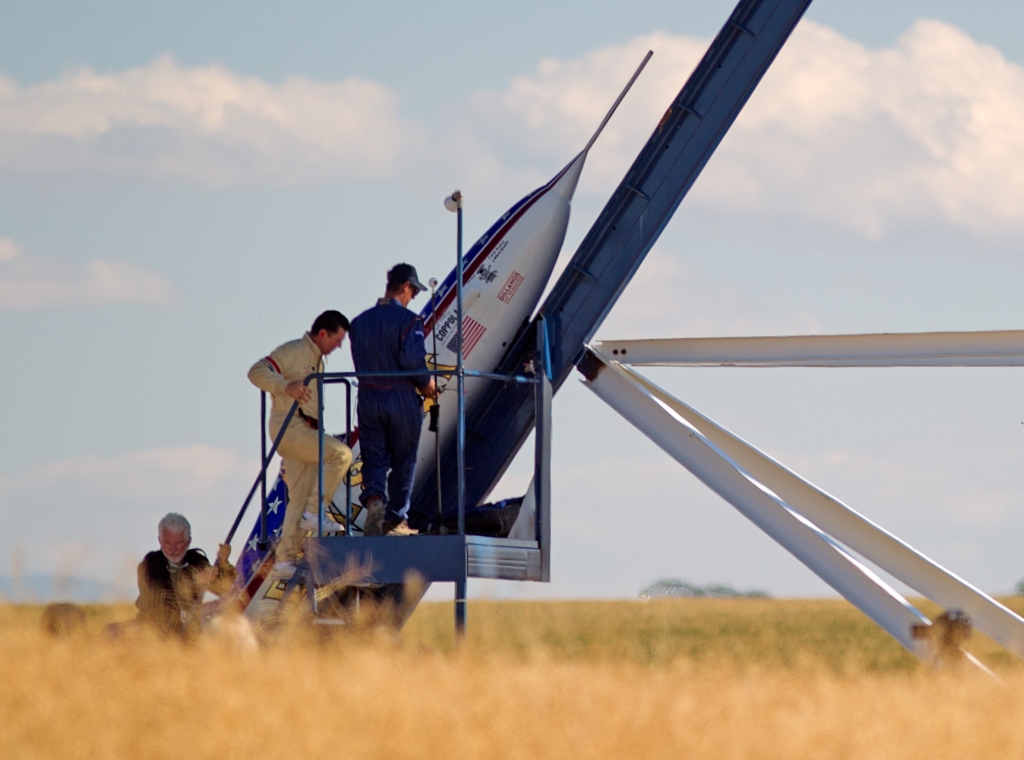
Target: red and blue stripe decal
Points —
{"points": [[482, 248]]}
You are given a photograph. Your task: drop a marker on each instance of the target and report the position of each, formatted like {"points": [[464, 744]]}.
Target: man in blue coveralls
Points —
{"points": [[388, 338]]}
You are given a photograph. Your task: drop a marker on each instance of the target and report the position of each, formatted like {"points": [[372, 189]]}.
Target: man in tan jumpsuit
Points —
{"points": [[281, 375]]}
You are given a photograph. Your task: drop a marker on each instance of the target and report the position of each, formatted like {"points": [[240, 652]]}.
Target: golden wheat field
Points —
{"points": [[667, 679]]}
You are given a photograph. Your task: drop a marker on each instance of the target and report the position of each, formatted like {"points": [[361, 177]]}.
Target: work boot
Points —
{"points": [[374, 523], [399, 529]]}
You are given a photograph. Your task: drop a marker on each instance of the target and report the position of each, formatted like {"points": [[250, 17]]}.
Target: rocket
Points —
{"points": [[504, 276]]}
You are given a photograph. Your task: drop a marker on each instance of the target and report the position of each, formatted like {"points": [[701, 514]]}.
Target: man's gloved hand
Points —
{"points": [[223, 554]]}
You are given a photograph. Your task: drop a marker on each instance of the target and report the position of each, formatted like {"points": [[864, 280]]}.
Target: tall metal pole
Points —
{"points": [[460, 587], [460, 609], [456, 200], [454, 203]]}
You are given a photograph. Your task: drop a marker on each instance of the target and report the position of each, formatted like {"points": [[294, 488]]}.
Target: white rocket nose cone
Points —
{"points": [[566, 185]]}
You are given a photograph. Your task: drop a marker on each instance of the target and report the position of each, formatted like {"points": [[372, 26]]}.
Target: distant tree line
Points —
{"points": [[673, 587]]}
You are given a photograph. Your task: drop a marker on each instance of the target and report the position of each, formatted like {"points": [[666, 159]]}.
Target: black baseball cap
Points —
{"points": [[405, 273]]}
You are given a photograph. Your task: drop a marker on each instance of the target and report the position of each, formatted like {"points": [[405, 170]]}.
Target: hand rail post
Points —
{"points": [[542, 451], [320, 458], [348, 475], [261, 544], [266, 464]]}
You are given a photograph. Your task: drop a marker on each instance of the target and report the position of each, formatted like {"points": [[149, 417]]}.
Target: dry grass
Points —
{"points": [[679, 679]]}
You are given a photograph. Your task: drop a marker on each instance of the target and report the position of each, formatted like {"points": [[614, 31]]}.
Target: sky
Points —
{"points": [[183, 188]]}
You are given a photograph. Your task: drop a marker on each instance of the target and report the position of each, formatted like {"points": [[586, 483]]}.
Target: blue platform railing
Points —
{"points": [[449, 567]]}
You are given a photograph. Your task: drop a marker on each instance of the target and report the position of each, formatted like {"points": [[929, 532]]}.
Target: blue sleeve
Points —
{"points": [[414, 352]]}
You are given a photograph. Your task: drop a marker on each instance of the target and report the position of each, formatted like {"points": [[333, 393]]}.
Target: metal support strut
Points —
{"points": [[813, 526]]}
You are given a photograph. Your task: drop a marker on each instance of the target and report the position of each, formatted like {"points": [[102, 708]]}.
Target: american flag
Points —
{"points": [[251, 565], [473, 332], [277, 500]]}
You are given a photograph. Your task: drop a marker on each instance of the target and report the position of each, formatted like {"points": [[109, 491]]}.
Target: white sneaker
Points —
{"points": [[311, 523], [283, 571]]}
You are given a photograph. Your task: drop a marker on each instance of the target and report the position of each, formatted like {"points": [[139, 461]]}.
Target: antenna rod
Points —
{"points": [[618, 100]]}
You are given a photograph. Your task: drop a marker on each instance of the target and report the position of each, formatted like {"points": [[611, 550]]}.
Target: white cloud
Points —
{"points": [[9, 250], [206, 124], [31, 282], [668, 298], [932, 127], [540, 121], [104, 509], [157, 475]]}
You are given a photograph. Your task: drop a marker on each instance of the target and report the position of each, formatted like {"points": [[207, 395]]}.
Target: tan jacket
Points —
{"points": [[291, 361]]}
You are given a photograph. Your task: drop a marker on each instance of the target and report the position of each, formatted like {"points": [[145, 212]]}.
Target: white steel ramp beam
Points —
{"points": [[993, 348], [704, 459], [854, 530]]}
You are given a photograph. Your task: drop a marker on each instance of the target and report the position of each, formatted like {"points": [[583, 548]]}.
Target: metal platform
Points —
{"points": [[354, 560], [436, 559]]}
